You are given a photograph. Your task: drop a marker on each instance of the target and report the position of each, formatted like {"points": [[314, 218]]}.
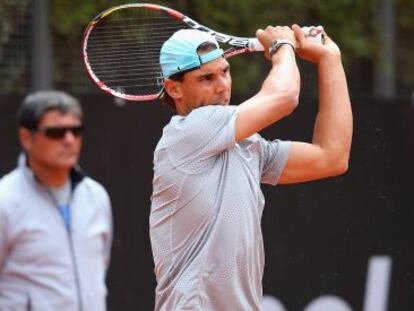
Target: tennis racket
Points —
{"points": [[121, 48]]}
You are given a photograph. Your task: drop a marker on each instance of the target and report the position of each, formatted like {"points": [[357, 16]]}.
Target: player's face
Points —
{"points": [[60, 153], [209, 85]]}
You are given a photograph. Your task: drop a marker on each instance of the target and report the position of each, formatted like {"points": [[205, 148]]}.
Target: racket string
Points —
{"points": [[123, 49]]}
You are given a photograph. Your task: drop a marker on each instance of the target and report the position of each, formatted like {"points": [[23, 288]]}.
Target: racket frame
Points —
{"points": [[239, 45]]}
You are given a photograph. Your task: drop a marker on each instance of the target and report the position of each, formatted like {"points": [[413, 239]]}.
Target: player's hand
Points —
{"points": [[312, 51], [270, 34]]}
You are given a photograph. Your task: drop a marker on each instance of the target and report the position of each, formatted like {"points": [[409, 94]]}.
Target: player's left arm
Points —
{"points": [[328, 154]]}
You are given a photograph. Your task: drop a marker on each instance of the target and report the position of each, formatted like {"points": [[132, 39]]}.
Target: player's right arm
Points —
{"points": [[279, 93]]}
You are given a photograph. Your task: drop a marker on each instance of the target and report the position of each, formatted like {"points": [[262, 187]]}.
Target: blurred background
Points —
{"points": [[344, 243], [375, 36]]}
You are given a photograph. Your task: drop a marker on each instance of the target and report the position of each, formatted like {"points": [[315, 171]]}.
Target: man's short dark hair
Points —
{"points": [[36, 104]]}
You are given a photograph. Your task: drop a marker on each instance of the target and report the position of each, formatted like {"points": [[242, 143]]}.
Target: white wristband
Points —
{"points": [[277, 44]]}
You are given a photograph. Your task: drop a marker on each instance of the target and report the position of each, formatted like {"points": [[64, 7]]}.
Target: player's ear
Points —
{"points": [[173, 88]]}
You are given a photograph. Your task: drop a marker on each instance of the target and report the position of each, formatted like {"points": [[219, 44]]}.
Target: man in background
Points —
{"points": [[55, 222]]}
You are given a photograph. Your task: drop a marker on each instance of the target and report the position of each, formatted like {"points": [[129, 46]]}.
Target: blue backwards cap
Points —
{"points": [[179, 52]]}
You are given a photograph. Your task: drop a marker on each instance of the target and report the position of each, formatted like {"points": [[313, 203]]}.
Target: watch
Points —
{"points": [[277, 44]]}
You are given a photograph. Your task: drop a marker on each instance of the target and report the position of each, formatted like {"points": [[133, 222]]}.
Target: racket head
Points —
{"points": [[121, 48]]}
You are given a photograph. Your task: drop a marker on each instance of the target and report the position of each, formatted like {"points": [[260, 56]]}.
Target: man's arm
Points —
{"points": [[279, 93], [3, 237], [328, 154]]}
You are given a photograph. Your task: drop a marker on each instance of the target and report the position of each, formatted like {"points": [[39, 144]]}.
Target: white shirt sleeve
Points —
{"points": [[200, 136], [274, 158]]}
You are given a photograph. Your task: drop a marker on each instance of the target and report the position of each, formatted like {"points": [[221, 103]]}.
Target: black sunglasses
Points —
{"points": [[60, 132]]}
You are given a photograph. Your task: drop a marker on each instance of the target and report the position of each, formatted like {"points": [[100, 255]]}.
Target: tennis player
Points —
{"points": [[210, 161]]}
